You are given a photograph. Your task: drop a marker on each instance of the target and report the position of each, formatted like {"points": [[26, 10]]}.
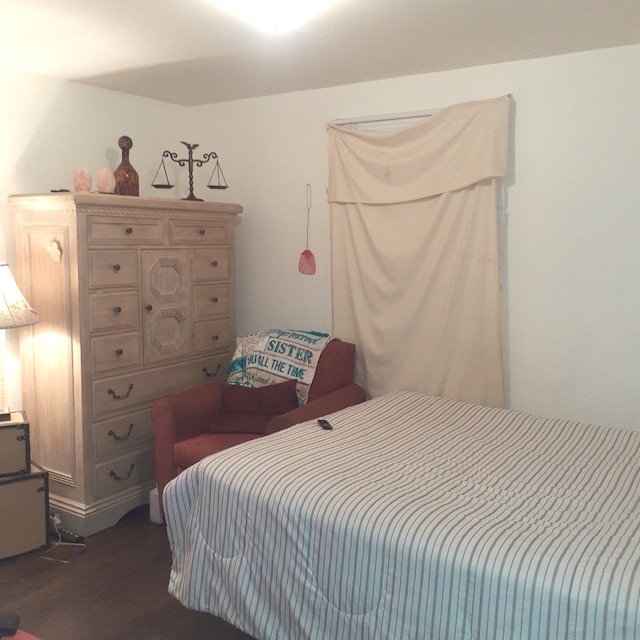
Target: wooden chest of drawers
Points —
{"points": [[137, 301]]}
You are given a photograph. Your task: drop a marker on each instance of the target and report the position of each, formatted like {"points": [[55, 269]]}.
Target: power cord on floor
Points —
{"points": [[64, 538]]}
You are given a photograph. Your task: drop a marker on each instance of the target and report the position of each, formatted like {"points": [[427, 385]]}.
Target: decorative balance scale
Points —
{"points": [[216, 181]]}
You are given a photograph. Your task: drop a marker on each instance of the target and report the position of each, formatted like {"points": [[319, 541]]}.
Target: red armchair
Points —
{"points": [[193, 424]]}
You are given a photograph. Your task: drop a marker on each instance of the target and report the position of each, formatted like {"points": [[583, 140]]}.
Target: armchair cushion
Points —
{"points": [[267, 401], [334, 401], [240, 422], [188, 452]]}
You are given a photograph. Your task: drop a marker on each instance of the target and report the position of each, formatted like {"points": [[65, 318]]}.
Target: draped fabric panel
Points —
{"points": [[414, 251]]}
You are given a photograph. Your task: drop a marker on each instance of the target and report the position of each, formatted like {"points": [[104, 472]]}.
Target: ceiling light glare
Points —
{"points": [[277, 16]]}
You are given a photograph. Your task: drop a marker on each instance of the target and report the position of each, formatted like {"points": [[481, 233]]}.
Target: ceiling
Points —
{"points": [[191, 52]]}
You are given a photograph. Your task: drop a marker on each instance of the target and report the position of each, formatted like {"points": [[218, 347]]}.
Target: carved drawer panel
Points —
{"points": [[123, 231], [166, 298], [197, 232], [119, 310], [113, 268], [212, 335], [122, 433], [124, 473], [211, 300], [211, 264], [116, 351]]}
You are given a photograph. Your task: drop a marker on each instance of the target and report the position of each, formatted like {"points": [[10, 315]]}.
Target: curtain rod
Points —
{"points": [[383, 118], [391, 116]]}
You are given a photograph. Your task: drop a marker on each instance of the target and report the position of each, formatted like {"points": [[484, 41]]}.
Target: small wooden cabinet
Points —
{"points": [[137, 301], [25, 511], [15, 446]]}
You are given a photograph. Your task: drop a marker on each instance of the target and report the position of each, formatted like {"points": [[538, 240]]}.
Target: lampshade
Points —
{"points": [[15, 311]]}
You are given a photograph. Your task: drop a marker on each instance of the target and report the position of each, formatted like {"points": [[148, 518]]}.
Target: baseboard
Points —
{"points": [[89, 519]]}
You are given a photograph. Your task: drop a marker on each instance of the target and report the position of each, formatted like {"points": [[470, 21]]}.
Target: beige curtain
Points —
{"points": [[414, 251]]}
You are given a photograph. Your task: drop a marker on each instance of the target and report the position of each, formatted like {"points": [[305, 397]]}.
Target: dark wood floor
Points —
{"points": [[116, 588]]}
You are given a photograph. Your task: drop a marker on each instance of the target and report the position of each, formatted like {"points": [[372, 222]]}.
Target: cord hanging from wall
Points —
{"points": [[307, 261], [217, 181], [158, 183]]}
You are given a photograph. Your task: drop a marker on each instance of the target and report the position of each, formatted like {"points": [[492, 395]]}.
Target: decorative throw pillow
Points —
{"points": [[271, 400], [263, 358]]}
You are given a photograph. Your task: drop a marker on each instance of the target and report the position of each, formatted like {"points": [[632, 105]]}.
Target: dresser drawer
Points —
{"points": [[111, 437], [125, 231], [211, 264], [124, 473], [118, 393], [211, 300], [197, 232], [120, 310], [212, 335], [115, 268], [116, 351]]}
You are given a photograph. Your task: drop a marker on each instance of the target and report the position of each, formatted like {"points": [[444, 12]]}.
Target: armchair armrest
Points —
{"points": [[178, 417], [340, 399]]}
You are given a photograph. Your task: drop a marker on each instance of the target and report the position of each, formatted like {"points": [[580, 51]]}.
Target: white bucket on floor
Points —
{"points": [[154, 507]]}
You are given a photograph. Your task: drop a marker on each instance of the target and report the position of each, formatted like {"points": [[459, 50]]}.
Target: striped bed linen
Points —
{"points": [[416, 518]]}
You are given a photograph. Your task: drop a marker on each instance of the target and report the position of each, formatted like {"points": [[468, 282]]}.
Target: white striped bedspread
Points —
{"points": [[415, 518]]}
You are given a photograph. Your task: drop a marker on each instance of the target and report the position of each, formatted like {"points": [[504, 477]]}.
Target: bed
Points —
{"points": [[415, 518]]}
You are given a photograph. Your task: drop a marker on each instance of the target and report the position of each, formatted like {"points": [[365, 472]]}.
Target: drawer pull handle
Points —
{"points": [[202, 232], [214, 299], [116, 268], [115, 436], [113, 474], [117, 310], [214, 263], [215, 338], [128, 231], [149, 307], [211, 375], [111, 392], [119, 352]]}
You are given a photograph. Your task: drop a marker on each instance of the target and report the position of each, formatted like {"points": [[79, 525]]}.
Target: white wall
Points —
{"points": [[50, 128], [572, 264]]}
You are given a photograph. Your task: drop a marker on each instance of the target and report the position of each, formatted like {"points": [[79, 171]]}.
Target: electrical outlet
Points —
{"points": [[55, 517]]}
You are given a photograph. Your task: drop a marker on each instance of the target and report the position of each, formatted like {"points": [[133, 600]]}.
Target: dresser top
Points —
{"points": [[101, 200]]}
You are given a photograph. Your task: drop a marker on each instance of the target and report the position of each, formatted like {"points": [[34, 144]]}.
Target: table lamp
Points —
{"points": [[15, 312]]}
